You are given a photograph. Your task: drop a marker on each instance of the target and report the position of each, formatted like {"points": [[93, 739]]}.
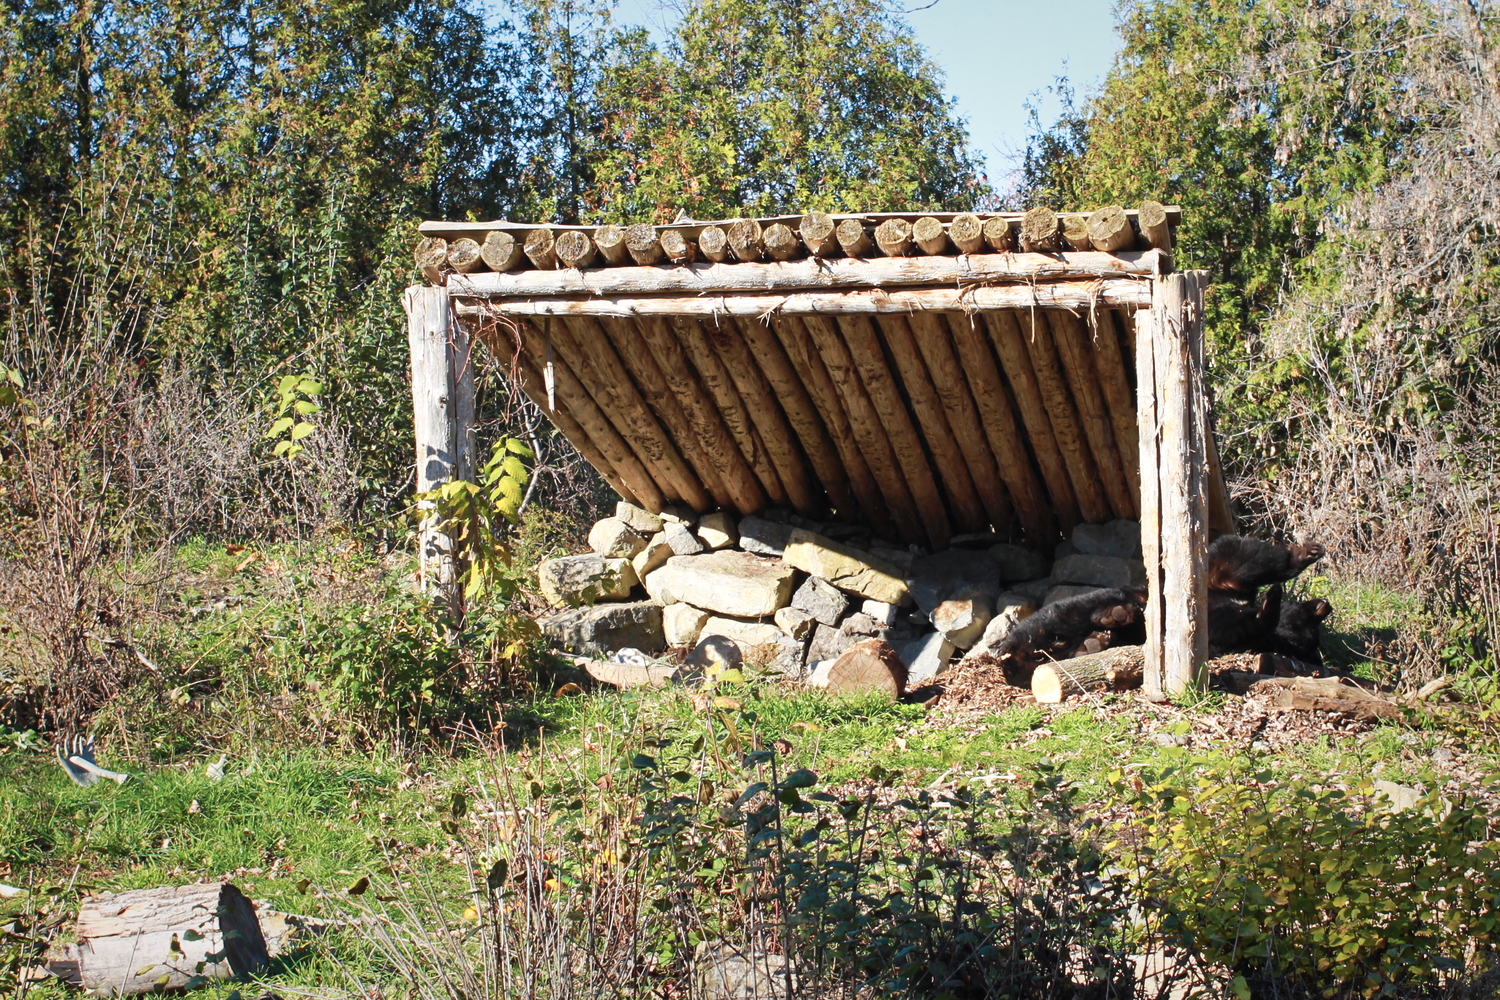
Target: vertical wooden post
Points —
{"points": [[1173, 421], [442, 392]]}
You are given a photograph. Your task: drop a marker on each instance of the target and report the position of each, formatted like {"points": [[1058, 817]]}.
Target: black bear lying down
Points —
{"points": [[1072, 627], [1238, 623], [1243, 565]]}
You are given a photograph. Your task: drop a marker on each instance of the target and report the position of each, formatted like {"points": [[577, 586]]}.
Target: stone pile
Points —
{"points": [[804, 593]]}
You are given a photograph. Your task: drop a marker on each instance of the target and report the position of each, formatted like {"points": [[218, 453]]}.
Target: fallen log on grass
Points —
{"points": [[1116, 669], [1321, 694]]}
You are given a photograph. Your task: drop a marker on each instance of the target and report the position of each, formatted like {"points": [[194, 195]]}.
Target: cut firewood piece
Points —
{"points": [[819, 233], [854, 238], [611, 243], [1076, 232], [431, 256], [713, 243], [871, 665], [1110, 229], [463, 256], [575, 249], [997, 235], [929, 235], [541, 249], [1040, 231], [744, 239], [780, 242], [642, 243], [501, 251], [967, 233], [893, 236], [152, 940], [1152, 218], [678, 248], [1116, 669]]}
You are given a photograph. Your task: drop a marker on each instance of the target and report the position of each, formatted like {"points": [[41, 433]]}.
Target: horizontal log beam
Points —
{"points": [[1071, 295], [812, 273]]}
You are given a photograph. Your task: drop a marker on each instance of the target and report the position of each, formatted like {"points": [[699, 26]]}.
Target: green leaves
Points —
{"points": [[479, 518], [294, 399]]}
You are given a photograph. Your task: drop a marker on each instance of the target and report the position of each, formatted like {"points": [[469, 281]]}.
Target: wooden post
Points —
{"points": [[1172, 419], [442, 391]]}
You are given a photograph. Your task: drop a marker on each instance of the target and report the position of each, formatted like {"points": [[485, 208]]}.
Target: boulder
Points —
{"points": [[640, 519], [717, 531], [1010, 608], [963, 619], [729, 582], [653, 557], [795, 622], [746, 633], [607, 627], [899, 558], [682, 624], [614, 539], [820, 599], [926, 658], [1064, 591], [1099, 571], [845, 567], [956, 573], [1017, 562], [724, 972], [828, 642], [763, 537], [871, 665], [682, 541], [882, 612], [861, 626], [574, 580], [1120, 538]]}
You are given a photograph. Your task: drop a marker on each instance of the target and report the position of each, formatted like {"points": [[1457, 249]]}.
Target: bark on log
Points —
{"points": [[643, 245], [1152, 218], [611, 243], [1321, 694], [1076, 232], [431, 255], [997, 233], [744, 239], [942, 442], [1074, 350], [1359, 708], [148, 940], [713, 243], [854, 238], [997, 416], [541, 249], [678, 248], [574, 249], [819, 233], [893, 236], [1114, 380], [869, 359], [1110, 229], [1117, 669], [967, 233], [464, 257], [871, 665], [1041, 231], [780, 242], [928, 234], [501, 251]]}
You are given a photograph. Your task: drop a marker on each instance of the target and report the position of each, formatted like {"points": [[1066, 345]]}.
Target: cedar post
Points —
{"points": [[1173, 422], [442, 390]]}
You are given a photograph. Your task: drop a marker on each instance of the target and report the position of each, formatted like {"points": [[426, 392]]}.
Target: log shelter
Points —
{"points": [[926, 374]]}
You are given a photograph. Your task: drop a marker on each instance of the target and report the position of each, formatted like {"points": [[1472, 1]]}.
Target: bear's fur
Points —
{"points": [[1299, 631], [1239, 626], [1242, 566], [1072, 627]]}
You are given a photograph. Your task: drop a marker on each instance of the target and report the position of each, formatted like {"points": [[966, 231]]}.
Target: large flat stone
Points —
{"points": [[1120, 538], [1017, 562], [1098, 571], [574, 580], [957, 573], [639, 518], [821, 599], [926, 658], [763, 537], [728, 582], [746, 633], [606, 628], [682, 624], [845, 567]]}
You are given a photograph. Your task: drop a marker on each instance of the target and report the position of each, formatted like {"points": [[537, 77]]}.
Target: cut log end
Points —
{"points": [[643, 245], [501, 251], [998, 235], [745, 240], [1041, 231], [871, 665], [713, 243], [967, 233], [1110, 230], [853, 238], [1076, 232], [611, 243], [431, 257], [929, 235], [575, 249], [678, 248], [541, 249], [780, 242], [464, 257], [893, 236], [1152, 218], [819, 233]]}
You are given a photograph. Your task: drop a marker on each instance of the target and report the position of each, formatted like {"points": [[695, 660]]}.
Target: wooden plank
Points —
{"points": [[1147, 393], [1114, 380], [433, 419], [869, 359], [866, 426], [800, 411], [709, 432], [1077, 356], [1221, 519], [997, 416], [935, 343], [1010, 346], [946, 449], [807, 361]]}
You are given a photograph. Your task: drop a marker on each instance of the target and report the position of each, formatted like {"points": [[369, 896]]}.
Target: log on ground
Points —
{"points": [[1117, 669]]}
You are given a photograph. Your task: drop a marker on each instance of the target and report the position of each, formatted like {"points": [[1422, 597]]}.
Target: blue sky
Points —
{"points": [[995, 54]]}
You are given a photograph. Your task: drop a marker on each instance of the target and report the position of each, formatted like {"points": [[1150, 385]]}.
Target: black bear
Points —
{"points": [[1243, 565], [1298, 631], [1236, 626], [1071, 627]]}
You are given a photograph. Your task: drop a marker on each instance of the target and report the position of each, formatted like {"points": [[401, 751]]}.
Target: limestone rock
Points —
{"points": [[682, 541], [682, 624], [678, 514], [723, 972], [926, 658], [746, 633], [614, 539], [899, 558], [764, 537], [729, 582], [962, 620], [828, 642], [795, 622], [607, 627], [882, 612], [584, 579], [640, 519], [845, 567], [653, 557], [953, 574], [1098, 571], [1010, 608], [1120, 538], [821, 600], [717, 531], [861, 625], [1017, 562], [1396, 797], [1064, 591]]}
